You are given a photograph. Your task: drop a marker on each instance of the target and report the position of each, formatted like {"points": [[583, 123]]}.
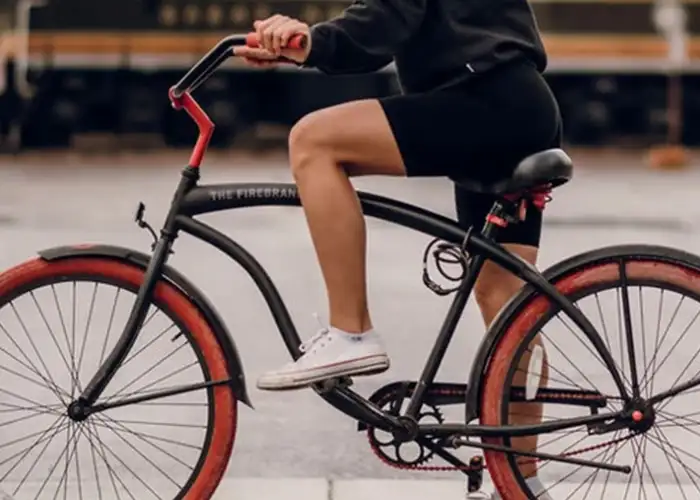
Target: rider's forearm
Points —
{"points": [[365, 37]]}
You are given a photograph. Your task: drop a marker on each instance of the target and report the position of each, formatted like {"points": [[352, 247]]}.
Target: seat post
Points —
{"points": [[502, 214]]}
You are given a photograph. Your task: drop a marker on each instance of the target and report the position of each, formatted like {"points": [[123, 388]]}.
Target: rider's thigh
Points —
{"points": [[355, 135]]}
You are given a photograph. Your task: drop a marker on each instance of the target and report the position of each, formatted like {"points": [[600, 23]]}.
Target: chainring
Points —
{"points": [[400, 453]]}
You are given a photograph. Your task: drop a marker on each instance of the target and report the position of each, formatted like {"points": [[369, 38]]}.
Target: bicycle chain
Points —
{"points": [[481, 465]]}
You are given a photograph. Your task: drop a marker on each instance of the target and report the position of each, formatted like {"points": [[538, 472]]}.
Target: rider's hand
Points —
{"points": [[273, 34]]}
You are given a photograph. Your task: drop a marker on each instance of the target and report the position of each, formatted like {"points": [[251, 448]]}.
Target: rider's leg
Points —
{"points": [[323, 155], [494, 288], [477, 132]]}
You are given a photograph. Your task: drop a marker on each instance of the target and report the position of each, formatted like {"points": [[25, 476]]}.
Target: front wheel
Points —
{"points": [[542, 361], [58, 322]]}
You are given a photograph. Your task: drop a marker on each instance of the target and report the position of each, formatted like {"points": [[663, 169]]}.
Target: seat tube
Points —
{"points": [[496, 220]]}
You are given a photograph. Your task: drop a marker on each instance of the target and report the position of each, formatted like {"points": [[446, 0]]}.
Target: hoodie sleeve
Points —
{"points": [[365, 37]]}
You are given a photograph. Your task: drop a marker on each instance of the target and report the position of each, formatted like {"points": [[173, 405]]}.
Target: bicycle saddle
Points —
{"points": [[551, 167]]}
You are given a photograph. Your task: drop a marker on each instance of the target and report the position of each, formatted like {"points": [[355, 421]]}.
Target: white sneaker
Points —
{"points": [[535, 485], [328, 354]]}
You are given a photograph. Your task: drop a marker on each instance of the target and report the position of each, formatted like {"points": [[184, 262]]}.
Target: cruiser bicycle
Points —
{"points": [[145, 404]]}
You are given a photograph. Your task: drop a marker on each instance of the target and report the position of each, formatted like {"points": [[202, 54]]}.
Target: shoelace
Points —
{"points": [[323, 331]]}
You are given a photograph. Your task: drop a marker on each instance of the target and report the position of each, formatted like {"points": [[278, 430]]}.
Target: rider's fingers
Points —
{"points": [[259, 63], [274, 30], [257, 53], [266, 30], [289, 29]]}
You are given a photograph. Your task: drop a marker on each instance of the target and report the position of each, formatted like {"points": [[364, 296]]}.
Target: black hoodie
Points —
{"points": [[435, 43]]}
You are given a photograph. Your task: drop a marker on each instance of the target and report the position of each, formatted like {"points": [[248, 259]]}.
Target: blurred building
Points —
{"points": [[105, 66]]}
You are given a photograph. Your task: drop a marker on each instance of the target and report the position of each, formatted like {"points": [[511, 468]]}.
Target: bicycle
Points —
{"points": [[395, 415]]}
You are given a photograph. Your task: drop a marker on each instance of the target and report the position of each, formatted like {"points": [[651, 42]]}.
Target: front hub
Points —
{"points": [[77, 411]]}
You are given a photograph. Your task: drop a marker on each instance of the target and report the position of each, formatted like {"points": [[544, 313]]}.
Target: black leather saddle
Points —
{"points": [[546, 169]]}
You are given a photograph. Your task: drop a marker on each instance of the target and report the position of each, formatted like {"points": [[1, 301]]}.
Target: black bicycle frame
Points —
{"points": [[191, 200]]}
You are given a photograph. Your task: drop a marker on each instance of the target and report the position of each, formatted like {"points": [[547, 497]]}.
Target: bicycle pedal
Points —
{"points": [[475, 475], [335, 383]]}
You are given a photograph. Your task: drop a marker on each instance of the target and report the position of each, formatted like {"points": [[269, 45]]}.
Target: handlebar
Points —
{"points": [[216, 57], [179, 93]]}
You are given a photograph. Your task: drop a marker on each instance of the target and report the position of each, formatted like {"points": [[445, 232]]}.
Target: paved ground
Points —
{"points": [[47, 201]]}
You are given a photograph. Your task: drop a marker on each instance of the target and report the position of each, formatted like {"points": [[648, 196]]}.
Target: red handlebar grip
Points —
{"points": [[296, 42]]}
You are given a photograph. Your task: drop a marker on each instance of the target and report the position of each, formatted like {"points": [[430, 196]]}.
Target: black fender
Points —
{"points": [[185, 286], [554, 274]]}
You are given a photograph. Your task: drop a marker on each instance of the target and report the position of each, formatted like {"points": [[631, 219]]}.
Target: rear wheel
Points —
{"points": [[58, 322], [657, 296]]}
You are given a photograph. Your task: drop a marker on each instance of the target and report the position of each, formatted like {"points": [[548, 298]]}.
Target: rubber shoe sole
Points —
{"points": [[359, 367]]}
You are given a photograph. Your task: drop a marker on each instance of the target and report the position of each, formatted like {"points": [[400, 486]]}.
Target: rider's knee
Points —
{"points": [[307, 142]]}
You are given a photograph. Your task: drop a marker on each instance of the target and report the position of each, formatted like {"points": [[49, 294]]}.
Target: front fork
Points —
{"points": [[161, 251]]}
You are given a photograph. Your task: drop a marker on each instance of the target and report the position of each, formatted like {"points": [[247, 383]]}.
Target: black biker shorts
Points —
{"points": [[479, 130]]}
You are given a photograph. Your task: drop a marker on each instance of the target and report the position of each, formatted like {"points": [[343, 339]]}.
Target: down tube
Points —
{"points": [[341, 398], [241, 256]]}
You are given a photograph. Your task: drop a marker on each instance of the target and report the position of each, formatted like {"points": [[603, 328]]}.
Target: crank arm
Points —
{"points": [[462, 441]]}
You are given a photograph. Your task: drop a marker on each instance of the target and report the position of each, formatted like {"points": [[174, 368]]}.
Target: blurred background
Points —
{"points": [[76, 73]]}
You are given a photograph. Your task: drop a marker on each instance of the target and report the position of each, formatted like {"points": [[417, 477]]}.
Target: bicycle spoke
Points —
{"points": [[130, 445], [141, 389], [64, 329], [670, 464], [103, 455], [647, 469], [605, 329], [665, 334], [592, 475], [671, 418], [126, 466], [45, 409], [164, 424], [671, 451], [73, 350], [627, 320], [644, 335], [57, 391], [147, 345], [595, 457], [110, 323], [145, 436], [50, 330], [618, 447], [41, 453], [24, 377], [30, 436], [91, 310], [635, 466], [613, 450], [561, 352], [682, 336], [22, 398], [71, 438], [48, 378], [124, 453], [156, 365], [94, 467]]}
